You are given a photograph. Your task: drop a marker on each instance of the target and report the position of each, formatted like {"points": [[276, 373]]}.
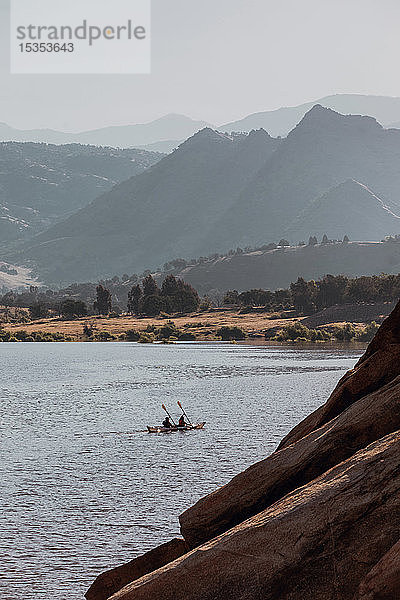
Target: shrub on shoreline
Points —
{"points": [[146, 338], [33, 336], [131, 335], [297, 332], [369, 332], [227, 334]]}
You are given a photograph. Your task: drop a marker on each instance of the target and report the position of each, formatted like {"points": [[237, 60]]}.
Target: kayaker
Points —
{"points": [[167, 423], [181, 422]]}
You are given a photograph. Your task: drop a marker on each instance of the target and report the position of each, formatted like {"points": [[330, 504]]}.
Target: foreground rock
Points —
{"points": [[113, 580], [379, 365], [265, 482], [317, 543], [383, 581]]}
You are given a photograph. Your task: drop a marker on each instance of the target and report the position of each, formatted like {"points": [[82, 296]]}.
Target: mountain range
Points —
{"points": [[166, 133], [281, 121], [333, 173], [41, 184], [155, 216], [324, 150], [161, 135]]}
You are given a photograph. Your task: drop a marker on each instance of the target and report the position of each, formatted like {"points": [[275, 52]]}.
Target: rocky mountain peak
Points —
{"points": [[321, 121]]}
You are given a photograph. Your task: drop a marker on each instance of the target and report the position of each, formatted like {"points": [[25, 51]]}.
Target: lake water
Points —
{"points": [[84, 488]]}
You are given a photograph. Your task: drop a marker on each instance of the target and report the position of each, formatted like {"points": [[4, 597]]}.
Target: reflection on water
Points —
{"points": [[86, 488]]}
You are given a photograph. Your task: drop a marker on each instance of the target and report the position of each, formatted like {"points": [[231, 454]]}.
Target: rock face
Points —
{"points": [[383, 581], [319, 519], [317, 543], [113, 580], [267, 481], [379, 365]]}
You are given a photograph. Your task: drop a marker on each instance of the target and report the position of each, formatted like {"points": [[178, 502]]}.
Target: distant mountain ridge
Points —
{"points": [[166, 133], [158, 135], [281, 121], [41, 184], [321, 152], [155, 216], [219, 191]]}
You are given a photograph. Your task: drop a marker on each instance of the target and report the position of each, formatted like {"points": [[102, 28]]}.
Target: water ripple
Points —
{"points": [[85, 487]]}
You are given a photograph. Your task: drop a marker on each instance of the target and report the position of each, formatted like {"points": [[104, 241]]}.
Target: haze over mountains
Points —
{"points": [[219, 191], [281, 121], [155, 216], [161, 135], [348, 209], [166, 133], [324, 150], [41, 184]]}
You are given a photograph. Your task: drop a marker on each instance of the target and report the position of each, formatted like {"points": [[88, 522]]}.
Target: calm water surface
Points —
{"points": [[84, 488]]}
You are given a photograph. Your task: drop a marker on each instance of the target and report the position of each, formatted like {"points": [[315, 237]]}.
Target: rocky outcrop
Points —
{"points": [[317, 543], [379, 365], [383, 581], [113, 580], [267, 481]]}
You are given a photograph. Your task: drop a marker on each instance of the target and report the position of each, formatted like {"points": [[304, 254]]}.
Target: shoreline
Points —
{"points": [[252, 328], [330, 345]]}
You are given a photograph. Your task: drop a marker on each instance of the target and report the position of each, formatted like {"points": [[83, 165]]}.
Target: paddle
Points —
{"points": [[164, 407], [182, 409]]}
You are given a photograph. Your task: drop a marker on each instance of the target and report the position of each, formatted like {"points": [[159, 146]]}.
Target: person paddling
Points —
{"points": [[181, 422], [167, 423]]}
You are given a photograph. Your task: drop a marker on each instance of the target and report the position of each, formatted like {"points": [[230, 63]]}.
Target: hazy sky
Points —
{"points": [[219, 60]]}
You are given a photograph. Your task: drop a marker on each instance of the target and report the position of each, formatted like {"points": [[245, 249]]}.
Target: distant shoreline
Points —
{"points": [[252, 328], [331, 345]]}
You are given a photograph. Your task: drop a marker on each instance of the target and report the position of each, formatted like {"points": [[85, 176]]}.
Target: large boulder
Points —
{"points": [[383, 581], [379, 365], [317, 543], [265, 482], [109, 582]]}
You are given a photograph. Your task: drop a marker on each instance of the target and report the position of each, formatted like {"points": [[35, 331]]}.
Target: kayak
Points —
{"points": [[161, 429]]}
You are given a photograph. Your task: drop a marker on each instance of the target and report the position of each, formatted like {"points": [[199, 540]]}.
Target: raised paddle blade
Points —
{"points": [[184, 412], [164, 407]]}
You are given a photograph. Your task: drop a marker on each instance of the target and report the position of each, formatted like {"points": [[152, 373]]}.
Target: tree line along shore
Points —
{"points": [[334, 308]]}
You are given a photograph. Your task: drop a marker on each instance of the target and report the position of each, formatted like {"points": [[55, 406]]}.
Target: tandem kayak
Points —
{"points": [[161, 429]]}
